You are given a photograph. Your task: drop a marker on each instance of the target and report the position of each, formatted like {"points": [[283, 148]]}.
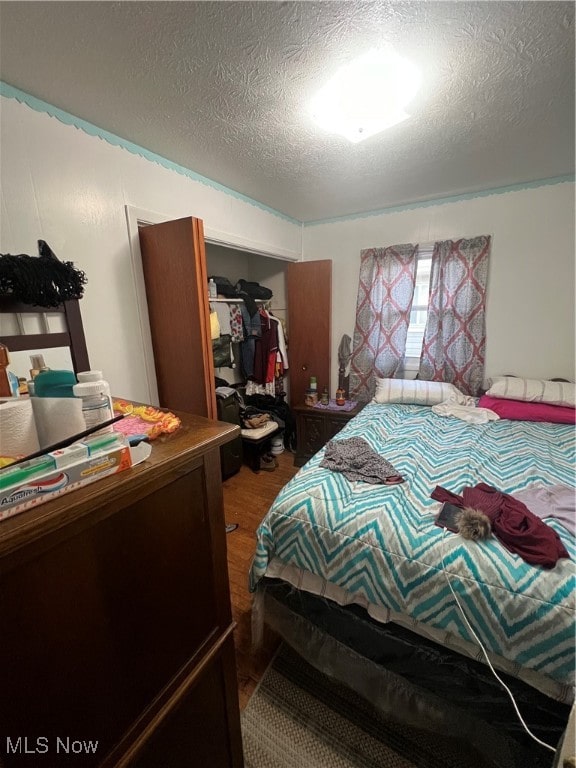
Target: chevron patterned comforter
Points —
{"points": [[378, 545]]}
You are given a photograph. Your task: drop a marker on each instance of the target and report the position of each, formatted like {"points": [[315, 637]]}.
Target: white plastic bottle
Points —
{"points": [[96, 406], [84, 376], [212, 289]]}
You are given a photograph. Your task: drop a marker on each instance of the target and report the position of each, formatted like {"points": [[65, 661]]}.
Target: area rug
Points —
{"points": [[299, 718]]}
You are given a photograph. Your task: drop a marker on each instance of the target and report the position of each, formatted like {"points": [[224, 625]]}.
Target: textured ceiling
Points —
{"points": [[222, 88]]}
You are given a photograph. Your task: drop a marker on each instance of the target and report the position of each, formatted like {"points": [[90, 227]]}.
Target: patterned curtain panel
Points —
{"points": [[385, 292], [455, 337]]}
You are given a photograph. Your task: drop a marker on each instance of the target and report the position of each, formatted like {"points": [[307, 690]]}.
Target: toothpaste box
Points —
{"points": [[71, 472]]}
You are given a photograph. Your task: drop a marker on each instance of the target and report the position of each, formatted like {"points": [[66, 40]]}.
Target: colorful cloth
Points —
{"points": [[349, 405], [144, 420], [358, 462], [236, 325]]}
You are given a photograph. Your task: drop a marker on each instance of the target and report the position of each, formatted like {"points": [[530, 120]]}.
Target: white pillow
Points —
{"points": [[534, 390], [416, 392]]}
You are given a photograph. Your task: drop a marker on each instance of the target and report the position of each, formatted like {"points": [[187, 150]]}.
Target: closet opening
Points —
{"points": [[237, 265], [232, 256]]}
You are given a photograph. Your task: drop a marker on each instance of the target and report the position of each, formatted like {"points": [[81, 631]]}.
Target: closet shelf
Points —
{"points": [[237, 301]]}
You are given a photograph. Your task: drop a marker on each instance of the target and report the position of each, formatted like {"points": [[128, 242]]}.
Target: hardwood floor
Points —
{"points": [[247, 498]]}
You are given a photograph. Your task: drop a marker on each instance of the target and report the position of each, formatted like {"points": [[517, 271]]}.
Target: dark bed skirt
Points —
{"points": [[413, 678]]}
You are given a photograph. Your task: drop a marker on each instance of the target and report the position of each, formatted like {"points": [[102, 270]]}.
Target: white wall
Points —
{"points": [[68, 188], [530, 299]]}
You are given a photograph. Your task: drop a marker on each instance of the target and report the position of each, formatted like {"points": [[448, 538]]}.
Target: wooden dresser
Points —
{"points": [[115, 618], [315, 427]]}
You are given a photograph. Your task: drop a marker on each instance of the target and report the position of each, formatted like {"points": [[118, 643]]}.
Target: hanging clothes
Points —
{"points": [[214, 324], [236, 325], [282, 355], [223, 312], [252, 330], [266, 347]]}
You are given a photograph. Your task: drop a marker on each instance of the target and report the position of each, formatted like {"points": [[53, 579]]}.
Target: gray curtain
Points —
{"points": [[454, 343], [385, 293]]}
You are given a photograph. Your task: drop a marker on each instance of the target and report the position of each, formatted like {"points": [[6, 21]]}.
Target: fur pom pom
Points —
{"points": [[473, 524]]}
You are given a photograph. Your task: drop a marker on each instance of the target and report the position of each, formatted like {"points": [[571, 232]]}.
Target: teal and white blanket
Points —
{"points": [[377, 545]]}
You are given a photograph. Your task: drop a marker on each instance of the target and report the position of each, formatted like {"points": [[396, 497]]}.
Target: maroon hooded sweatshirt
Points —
{"points": [[518, 529]]}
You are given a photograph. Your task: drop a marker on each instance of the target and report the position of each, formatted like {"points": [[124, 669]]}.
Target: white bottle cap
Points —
{"points": [[89, 388], [89, 376]]}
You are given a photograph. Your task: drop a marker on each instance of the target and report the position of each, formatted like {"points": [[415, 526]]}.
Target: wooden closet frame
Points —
{"points": [[73, 337]]}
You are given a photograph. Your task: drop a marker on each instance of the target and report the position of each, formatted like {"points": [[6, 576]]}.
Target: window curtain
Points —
{"points": [[454, 343], [385, 292]]}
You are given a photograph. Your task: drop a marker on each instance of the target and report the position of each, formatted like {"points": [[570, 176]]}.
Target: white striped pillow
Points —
{"points": [[534, 390], [416, 392]]}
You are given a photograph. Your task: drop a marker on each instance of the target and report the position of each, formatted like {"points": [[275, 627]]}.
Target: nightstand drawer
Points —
{"points": [[333, 424], [310, 428], [315, 427]]}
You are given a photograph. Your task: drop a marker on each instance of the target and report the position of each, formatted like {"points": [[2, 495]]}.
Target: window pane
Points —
{"points": [[418, 316], [414, 342]]}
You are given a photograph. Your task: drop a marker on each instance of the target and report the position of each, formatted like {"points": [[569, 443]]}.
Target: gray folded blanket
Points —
{"points": [[356, 460]]}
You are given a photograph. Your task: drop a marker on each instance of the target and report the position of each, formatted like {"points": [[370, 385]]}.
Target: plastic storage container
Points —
{"points": [[96, 406], [84, 376]]}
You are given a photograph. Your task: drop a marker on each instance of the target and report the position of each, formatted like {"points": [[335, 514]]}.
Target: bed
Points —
{"points": [[374, 552]]}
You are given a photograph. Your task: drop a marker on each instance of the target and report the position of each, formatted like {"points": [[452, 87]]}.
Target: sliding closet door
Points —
{"points": [[174, 266], [309, 293]]}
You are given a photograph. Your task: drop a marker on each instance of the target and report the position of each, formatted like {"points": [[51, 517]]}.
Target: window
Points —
{"points": [[419, 313]]}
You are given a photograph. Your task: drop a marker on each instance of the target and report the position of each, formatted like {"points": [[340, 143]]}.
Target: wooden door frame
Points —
{"points": [[139, 217]]}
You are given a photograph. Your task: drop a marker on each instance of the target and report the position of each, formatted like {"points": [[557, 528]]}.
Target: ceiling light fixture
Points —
{"points": [[367, 95]]}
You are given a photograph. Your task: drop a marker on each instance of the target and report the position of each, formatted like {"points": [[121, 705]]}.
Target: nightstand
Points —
{"points": [[316, 426]]}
